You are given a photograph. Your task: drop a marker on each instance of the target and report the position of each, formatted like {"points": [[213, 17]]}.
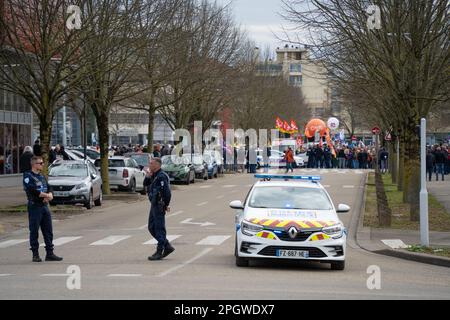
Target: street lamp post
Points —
{"points": [[424, 237]]}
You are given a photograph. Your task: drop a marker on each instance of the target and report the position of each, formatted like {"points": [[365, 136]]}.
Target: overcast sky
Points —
{"points": [[261, 18]]}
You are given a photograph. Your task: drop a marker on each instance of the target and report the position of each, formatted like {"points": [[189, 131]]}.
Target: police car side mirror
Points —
{"points": [[342, 208], [93, 176], [236, 204]]}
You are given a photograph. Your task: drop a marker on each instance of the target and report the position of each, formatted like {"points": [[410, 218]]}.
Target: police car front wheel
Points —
{"points": [[338, 265]]}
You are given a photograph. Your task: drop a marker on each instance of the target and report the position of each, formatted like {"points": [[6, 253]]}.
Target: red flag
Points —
{"points": [[279, 124], [294, 126], [286, 127]]}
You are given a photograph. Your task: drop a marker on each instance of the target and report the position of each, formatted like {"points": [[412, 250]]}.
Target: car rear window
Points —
{"points": [[112, 163]]}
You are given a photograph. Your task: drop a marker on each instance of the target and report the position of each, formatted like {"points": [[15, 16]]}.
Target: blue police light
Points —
{"points": [[287, 177]]}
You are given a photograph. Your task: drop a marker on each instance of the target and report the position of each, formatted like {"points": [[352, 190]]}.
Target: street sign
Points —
{"points": [[376, 130], [388, 136]]}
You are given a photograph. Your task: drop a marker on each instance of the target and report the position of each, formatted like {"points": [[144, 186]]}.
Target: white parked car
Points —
{"points": [[276, 159], [124, 174], [291, 218]]}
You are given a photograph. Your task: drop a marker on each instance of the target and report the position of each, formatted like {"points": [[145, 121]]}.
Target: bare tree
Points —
{"points": [[38, 57], [406, 59]]}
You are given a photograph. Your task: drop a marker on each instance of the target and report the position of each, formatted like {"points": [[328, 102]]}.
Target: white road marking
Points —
{"points": [[220, 197], [130, 275], [169, 238], [62, 240], [145, 226], [395, 243], [108, 241], [212, 240], [229, 186], [6, 274], [201, 254], [55, 275], [174, 214], [348, 187], [10, 243], [205, 187], [203, 224], [326, 186], [202, 203]]}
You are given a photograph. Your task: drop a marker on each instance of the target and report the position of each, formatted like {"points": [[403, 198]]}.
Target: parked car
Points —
{"points": [[80, 154], [212, 165], [143, 161], [217, 157], [91, 153], [74, 182], [178, 168], [200, 166], [124, 174]]}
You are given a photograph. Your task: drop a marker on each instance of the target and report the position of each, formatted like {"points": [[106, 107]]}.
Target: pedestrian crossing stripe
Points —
{"points": [[63, 240], [110, 240], [169, 238], [9, 243], [213, 240]]}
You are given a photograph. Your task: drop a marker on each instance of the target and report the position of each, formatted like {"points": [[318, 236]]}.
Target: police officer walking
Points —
{"points": [[158, 187], [36, 188]]}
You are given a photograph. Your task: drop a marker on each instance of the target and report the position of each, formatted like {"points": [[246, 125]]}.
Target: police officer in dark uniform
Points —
{"points": [[36, 188], [158, 187]]}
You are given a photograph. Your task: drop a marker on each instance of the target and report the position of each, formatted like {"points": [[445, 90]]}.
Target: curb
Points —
{"points": [[363, 234]]}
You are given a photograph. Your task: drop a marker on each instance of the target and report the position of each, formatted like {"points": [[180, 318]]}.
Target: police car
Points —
{"points": [[289, 217]]}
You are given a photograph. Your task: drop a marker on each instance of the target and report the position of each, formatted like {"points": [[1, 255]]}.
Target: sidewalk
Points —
{"points": [[371, 239], [12, 197]]}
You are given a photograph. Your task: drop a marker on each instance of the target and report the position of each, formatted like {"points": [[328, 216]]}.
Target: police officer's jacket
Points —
{"points": [[158, 189], [34, 184]]}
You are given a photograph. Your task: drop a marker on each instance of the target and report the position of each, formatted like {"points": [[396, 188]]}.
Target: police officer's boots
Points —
{"points": [[52, 257], [168, 250], [156, 256], [36, 257]]}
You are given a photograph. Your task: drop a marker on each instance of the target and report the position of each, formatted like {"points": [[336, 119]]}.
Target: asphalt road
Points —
{"points": [[109, 246]]}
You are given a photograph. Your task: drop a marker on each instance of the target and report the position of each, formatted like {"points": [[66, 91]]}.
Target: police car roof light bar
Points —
{"points": [[287, 177]]}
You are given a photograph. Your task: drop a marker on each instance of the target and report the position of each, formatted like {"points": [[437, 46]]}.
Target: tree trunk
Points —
{"points": [[151, 125], [412, 169], [393, 162], [401, 167], [103, 133], [45, 132]]}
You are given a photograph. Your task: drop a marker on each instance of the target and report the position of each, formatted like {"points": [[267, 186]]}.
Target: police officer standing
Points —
{"points": [[36, 188], [158, 187]]}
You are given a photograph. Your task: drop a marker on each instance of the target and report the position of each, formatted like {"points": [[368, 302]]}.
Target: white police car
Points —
{"points": [[289, 217]]}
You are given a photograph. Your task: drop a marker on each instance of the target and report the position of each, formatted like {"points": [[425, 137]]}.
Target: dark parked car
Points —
{"points": [[200, 166], [178, 169]]}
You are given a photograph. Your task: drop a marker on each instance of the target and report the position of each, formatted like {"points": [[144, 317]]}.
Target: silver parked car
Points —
{"points": [[74, 182], [124, 173]]}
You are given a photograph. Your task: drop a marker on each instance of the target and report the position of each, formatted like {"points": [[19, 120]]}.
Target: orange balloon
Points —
{"points": [[315, 125]]}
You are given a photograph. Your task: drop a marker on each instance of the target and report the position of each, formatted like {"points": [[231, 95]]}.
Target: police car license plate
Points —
{"points": [[292, 253], [61, 194]]}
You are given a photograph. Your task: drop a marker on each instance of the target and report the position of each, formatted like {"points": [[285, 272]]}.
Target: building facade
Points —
{"points": [[15, 131], [296, 66]]}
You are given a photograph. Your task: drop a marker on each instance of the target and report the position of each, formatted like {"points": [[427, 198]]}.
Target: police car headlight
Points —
{"points": [[81, 186], [336, 231], [250, 229]]}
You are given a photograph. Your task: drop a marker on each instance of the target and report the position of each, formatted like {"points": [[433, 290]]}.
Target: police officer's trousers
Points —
{"points": [[157, 226], [40, 217]]}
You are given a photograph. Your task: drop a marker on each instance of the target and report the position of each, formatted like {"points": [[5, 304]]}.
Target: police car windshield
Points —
{"points": [[286, 197], [69, 170]]}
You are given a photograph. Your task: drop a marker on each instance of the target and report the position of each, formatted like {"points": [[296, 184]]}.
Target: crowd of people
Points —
{"points": [[438, 161]]}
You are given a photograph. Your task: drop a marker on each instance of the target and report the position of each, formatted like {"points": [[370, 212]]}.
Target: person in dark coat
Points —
{"points": [[430, 162], [25, 159]]}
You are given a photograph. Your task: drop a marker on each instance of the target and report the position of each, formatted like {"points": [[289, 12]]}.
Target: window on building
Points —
{"points": [[295, 67], [295, 80]]}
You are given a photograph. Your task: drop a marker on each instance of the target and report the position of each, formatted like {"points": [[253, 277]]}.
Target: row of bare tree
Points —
{"points": [[390, 64], [185, 59]]}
